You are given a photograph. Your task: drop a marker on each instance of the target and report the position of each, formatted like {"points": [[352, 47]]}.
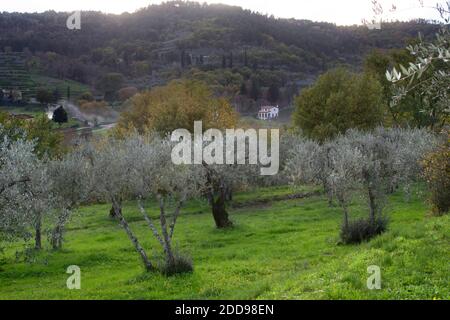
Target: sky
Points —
{"points": [[341, 12]]}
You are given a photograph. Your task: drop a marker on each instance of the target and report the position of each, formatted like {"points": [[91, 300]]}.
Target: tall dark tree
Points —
{"points": [[110, 84], [273, 94], [60, 116], [243, 89], [56, 95], [188, 59], [245, 58], [183, 61], [255, 90]]}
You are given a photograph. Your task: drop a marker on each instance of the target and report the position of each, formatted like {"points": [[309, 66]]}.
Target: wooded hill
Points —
{"points": [[237, 50]]}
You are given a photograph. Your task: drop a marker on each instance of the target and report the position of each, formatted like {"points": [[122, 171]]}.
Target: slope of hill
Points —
{"points": [[279, 250], [13, 73], [233, 49]]}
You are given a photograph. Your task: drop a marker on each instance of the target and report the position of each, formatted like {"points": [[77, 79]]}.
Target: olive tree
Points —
{"points": [[303, 165], [223, 178], [334, 166], [220, 183], [345, 164], [140, 168], [157, 177], [113, 182], [309, 163], [24, 189], [409, 147], [17, 163], [428, 76], [71, 184], [41, 199], [370, 163], [390, 157]]}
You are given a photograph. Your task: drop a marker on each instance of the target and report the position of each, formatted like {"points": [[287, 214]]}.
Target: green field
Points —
{"points": [[76, 88], [32, 110], [277, 250], [14, 74]]}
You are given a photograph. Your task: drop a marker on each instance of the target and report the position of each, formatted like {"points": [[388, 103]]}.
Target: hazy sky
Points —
{"points": [[337, 11]]}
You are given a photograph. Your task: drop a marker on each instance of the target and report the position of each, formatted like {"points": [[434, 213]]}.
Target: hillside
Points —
{"points": [[14, 75], [234, 50]]}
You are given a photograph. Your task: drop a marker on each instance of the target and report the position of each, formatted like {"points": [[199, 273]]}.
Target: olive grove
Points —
{"points": [[371, 164]]}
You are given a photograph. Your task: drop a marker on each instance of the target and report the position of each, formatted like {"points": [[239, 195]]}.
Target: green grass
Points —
{"points": [[282, 250], [32, 110]]}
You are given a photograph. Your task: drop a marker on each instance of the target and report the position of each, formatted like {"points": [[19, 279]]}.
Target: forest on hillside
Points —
{"points": [[249, 57]]}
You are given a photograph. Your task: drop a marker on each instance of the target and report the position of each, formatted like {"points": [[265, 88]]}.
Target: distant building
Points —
{"points": [[268, 113]]}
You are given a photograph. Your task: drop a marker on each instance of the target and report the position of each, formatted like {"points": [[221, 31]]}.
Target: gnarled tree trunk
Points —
{"points": [[219, 211], [58, 231], [372, 205], [112, 212], [216, 186]]}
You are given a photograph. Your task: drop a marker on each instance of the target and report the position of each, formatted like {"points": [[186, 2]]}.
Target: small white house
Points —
{"points": [[268, 113]]}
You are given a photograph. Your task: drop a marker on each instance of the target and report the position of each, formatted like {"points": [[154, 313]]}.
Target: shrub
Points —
{"points": [[87, 106], [437, 174], [87, 96], [176, 105], [60, 116], [363, 229], [180, 264]]}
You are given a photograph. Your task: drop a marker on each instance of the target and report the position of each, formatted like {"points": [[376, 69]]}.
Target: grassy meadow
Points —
{"points": [[277, 250]]}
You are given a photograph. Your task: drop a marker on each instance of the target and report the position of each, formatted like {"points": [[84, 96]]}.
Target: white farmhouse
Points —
{"points": [[268, 113]]}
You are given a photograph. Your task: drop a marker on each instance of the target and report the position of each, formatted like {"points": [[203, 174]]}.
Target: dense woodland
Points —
{"points": [[247, 56]]}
